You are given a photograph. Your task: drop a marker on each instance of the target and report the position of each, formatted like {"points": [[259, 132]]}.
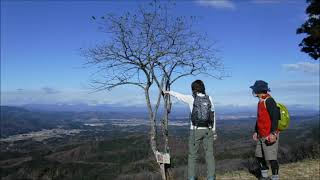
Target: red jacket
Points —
{"points": [[264, 121]]}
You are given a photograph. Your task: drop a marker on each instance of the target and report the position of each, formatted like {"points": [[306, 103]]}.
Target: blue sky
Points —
{"points": [[41, 62]]}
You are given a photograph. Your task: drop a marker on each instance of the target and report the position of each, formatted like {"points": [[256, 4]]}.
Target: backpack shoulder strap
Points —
{"points": [[209, 101], [264, 101], [194, 98]]}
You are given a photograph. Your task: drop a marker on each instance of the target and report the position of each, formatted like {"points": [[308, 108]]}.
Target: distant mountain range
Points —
{"points": [[34, 117], [177, 110], [84, 107], [16, 120]]}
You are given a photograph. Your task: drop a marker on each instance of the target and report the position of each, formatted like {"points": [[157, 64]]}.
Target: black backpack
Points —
{"points": [[201, 115]]}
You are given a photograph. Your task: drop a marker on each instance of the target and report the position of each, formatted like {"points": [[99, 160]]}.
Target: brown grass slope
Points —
{"points": [[304, 170]]}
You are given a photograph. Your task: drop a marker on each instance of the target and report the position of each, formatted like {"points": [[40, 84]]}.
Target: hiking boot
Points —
{"points": [[211, 178], [275, 177], [264, 178], [264, 175]]}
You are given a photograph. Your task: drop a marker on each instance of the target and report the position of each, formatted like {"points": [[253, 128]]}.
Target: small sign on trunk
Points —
{"points": [[163, 158]]}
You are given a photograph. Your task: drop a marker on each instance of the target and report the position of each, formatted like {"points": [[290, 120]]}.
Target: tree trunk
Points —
{"points": [[167, 110], [163, 171], [165, 123], [153, 143]]}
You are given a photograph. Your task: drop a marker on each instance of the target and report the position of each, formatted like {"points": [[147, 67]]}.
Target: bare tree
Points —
{"points": [[151, 48]]}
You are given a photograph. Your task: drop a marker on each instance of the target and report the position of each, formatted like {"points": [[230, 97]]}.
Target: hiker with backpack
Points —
{"points": [[267, 129], [202, 127]]}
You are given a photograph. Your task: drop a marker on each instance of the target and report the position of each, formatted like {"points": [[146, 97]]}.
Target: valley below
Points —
{"points": [[94, 146]]}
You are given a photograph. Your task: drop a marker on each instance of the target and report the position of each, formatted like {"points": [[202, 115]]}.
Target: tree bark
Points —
{"points": [[153, 143], [167, 110], [165, 123], [163, 171]]}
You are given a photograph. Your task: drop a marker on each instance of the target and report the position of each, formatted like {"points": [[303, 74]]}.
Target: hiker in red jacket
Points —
{"points": [[266, 133]]}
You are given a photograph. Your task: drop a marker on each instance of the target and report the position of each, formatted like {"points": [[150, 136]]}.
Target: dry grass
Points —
{"points": [[304, 170]]}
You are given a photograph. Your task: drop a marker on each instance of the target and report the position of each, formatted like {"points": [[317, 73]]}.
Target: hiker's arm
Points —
{"points": [[215, 136], [273, 113], [256, 128], [214, 113], [255, 134], [181, 97]]}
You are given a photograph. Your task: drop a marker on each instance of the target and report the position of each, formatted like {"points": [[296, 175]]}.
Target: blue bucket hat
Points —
{"points": [[260, 86]]}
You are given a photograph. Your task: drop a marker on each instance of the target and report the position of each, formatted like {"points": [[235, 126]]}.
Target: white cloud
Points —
{"points": [[290, 92], [302, 92], [275, 2], [266, 1], [47, 95], [49, 90], [305, 67], [224, 4]]}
